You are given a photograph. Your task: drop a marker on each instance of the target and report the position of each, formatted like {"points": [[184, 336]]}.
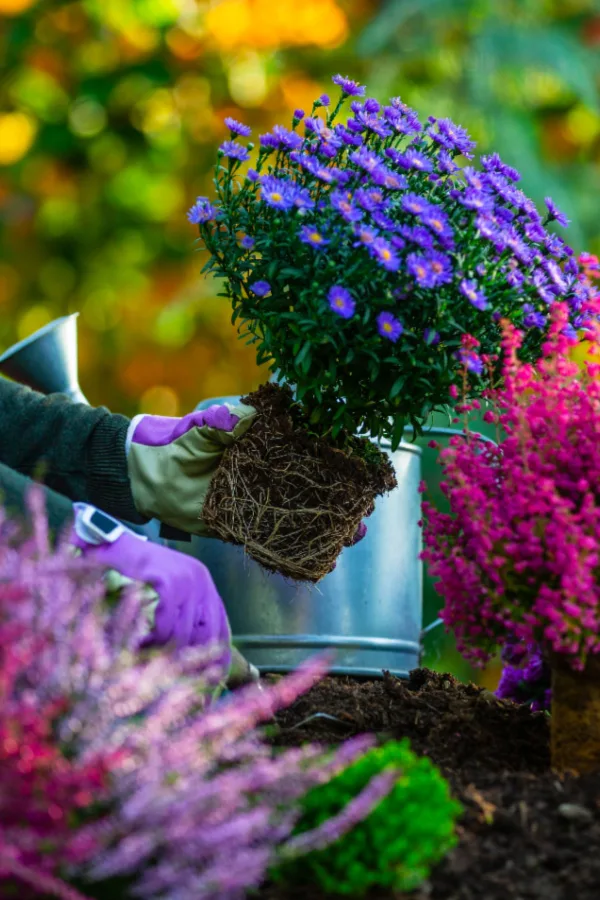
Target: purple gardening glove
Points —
{"points": [[171, 461], [189, 612]]}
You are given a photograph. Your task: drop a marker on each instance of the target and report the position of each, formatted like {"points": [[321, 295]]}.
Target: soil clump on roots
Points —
{"points": [[291, 498], [526, 833]]}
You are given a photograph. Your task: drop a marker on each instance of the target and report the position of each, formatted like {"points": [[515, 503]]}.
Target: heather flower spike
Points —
{"points": [[516, 559], [115, 765]]}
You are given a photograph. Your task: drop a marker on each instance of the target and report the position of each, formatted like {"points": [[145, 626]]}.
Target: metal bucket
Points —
{"points": [[368, 610]]}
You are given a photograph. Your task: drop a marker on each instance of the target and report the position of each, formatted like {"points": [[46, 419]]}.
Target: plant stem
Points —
{"points": [[575, 725]]}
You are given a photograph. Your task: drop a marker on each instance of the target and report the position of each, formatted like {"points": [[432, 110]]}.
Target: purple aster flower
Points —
{"points": [[472, 199], [436, 219], [475, 178], [402, 123], [298, 114], [288, 140], [371, 199], [554, 213], [202, 211], [487, 227], [493, 163], [452, 137], [347, 137], [341, 302], [419, 268], [324, 100], [415, 204], [474, 295], [260, 288], [365, 235], [349, 88], [252, 175], [302, 199], [310, 234], [440, 266], [388, 179], [236, 127], [445, 163], [412, 159], [233, 150], [385, 254], [431, 337], [471, 360], [555, 245], [532, 318], [268, 141], [366, 159], [382, 221], [247, 242], [342, 202], [397, 242], [277, 194], [418, 235], [389, 326]]}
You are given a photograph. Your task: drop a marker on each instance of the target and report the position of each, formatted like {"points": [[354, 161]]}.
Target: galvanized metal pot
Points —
{"points": [[368, 610]]}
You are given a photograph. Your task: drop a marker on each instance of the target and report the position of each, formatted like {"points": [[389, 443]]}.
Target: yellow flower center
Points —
{"points": [[387, 327], [276, 197], [315, 237], [386, 254], [437, 267], [339, 302], [435, 223], [421, 271]]}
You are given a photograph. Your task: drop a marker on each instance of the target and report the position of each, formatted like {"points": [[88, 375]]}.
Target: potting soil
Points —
{"points": [[526, 834]]}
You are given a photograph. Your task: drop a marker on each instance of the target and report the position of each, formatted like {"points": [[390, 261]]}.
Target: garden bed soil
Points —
{"points": [[292, 499], [526, 833]]}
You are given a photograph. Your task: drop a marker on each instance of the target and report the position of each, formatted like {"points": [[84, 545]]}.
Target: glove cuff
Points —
{"points": [[92, 527]]}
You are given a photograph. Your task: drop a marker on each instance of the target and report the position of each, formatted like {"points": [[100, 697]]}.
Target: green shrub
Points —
{"points": [[407, 832]]}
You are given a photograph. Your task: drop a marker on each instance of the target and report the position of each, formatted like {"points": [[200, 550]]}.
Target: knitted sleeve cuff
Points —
{"points": [[109, 486]]}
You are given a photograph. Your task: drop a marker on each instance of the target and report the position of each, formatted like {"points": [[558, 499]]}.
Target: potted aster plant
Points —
{"points": [[355, 256], [517, 556]]}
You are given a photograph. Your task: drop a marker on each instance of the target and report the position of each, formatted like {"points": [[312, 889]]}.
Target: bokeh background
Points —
{"points": [[111, 110]]}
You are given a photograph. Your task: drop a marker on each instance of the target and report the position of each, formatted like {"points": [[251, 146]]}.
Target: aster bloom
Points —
{"points": [[371, 199], [473, 293], [554, 213], [349, 88], [365, 235], [532, 318], [385, 254], [311, 235], [298, 115], [389, 326], [440, 266], [236, 127], [247, 242], [411, 159], [235, 151], [276, 193], [415, 204], [324, 100], [366, 159], [493, 163], [417, 234], [202, 211], [287, 140], [260, 288], [342, 202], [445, 163], [391, 181], [420, 269], [452, 137], [341, 302]]}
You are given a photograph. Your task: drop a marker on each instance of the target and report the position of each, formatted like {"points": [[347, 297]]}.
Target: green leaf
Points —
{"points": [[397, 386], [398, 432], [301, 355]]}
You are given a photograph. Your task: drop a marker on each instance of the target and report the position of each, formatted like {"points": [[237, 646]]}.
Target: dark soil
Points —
{"points": [[291, 498], [526, 833]]}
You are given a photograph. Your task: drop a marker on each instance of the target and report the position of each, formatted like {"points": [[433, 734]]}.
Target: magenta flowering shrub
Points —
{"points": [[357, 254], [517, 557], [114, 764]]}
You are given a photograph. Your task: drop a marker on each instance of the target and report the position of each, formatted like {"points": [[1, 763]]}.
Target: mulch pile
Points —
{"points": [[525, 833]]}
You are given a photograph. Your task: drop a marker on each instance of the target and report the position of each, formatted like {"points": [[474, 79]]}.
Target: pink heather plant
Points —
{"points": [[114, 765], [518, 556]]}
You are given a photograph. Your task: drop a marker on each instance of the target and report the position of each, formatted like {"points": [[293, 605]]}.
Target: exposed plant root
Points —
{"points": [[290, 498]]}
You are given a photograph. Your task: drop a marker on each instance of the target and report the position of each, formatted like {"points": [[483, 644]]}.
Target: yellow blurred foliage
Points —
{"points": [[15, 7], [581, 354], [268, 24], [17, 134]]}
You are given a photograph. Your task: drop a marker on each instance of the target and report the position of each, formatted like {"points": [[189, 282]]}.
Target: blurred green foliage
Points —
{"points": [[110, 112]]}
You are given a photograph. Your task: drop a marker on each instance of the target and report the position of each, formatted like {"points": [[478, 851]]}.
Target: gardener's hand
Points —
{"points": [[189, 612], [171, 461]]}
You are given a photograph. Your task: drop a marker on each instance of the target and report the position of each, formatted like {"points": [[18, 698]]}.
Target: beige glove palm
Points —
{"points": [[171, 461]]}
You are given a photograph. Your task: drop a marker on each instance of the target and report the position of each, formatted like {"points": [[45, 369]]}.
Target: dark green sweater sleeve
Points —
{"points": [[79, 451]]}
